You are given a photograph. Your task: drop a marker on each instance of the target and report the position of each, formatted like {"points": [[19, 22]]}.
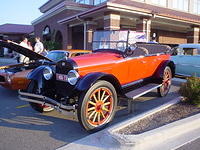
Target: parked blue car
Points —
{"points": [[187, 59]]}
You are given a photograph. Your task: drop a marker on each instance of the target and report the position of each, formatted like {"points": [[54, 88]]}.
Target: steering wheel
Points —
{"points": [[121, 45], [130, 50]]}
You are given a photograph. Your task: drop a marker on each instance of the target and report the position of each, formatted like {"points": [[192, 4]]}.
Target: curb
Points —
{"points": [[128, 122], [149, 139]]}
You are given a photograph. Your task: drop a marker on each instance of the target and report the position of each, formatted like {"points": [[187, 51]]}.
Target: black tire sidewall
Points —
{"points": [[31, 87], [83, 99]]}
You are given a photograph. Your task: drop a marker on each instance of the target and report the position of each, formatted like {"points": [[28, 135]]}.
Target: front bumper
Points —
{"points": [[43, 100]]}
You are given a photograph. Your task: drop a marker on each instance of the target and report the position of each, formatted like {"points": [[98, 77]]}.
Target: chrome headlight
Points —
{"points": [[72, 77], [47, 73]]}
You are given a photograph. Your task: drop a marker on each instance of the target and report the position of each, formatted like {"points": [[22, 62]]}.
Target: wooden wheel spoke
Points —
{"points": [[103, 114], [90, 109], [95, 98], [106, 98], [95, 116], [104, 92], [99, 117], [99, 94], [92, 114], [105, 109], [105, 104], [92, 103]]}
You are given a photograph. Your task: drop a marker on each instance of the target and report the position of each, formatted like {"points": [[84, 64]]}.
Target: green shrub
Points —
{"points": [[51, 45], [191, 90]]}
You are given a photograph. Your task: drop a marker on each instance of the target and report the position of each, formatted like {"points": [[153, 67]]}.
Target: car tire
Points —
{"points": [[32, 88], [97, 106], [166, 82]]}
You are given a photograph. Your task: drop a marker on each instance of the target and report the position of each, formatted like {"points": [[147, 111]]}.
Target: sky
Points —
{"points": [[20, 11]]}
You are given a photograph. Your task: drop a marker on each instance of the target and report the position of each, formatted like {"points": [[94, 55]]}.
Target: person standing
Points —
{"points": [[39, 47], [24, 43], [30, 46]]}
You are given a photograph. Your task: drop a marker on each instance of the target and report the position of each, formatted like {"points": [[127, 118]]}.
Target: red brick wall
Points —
{"points": [[170, 37], [52, 23]]}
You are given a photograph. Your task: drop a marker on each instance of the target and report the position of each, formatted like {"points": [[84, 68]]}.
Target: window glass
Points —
{"points": [[90, 2], [181, 5], [196, 7], [83, 1], [191, 51], [46, 34], [56, 56], [160, 2]]}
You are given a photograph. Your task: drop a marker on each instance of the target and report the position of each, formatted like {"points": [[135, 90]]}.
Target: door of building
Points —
{"points": [[78, 37]]}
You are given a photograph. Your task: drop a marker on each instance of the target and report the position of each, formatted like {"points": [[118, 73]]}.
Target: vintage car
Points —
{"points": [[187, 60], [91, 84], [14, 77]]}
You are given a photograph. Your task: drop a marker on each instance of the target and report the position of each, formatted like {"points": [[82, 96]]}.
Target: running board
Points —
{"points": [[132, 95]]}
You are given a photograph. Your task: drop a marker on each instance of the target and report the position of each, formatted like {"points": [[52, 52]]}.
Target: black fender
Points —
{"points": [[37, 75], [162, 66], [87, 81]]}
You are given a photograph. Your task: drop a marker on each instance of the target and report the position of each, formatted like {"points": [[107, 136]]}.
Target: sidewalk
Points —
{"points": [[180, 133]]}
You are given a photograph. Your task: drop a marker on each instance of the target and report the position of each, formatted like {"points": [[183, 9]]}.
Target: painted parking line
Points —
{"points": [[22, 106]]}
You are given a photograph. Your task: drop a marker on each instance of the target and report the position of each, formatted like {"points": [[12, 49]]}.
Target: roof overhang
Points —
{"points": [[48, 5], [65, 5], [133, 7]]}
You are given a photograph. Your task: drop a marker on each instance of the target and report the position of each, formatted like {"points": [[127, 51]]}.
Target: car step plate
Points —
{"points": [[142, 91]]}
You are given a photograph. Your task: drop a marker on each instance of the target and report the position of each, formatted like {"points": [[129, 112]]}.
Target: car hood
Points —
{"points": [[22, 50], [94, 59]]}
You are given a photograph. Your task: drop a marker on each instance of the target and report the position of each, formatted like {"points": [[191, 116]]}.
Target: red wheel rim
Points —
{"points": [[166, 81], [99, 107]]}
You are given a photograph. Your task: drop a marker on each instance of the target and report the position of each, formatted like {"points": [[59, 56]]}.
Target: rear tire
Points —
{"points": [[33, 88], [166, 83], [97, 106]]}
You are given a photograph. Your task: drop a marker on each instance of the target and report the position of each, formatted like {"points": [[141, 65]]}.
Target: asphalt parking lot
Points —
{"points": [[22, 128]]}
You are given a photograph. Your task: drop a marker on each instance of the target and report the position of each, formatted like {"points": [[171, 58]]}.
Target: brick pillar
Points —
{"points": [[111, 21], [144, 25], [69, 37], [193, 35], [90, 28]]}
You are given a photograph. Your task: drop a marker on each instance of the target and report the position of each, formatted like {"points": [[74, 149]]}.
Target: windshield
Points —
{"points": [[56, 56], [116, 40]]}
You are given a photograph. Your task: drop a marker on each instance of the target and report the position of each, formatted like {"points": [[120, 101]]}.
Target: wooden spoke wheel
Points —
{"points": [[166, 83], [97, 106]]}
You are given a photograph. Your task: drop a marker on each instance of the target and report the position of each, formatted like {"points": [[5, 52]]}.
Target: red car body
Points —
{"points": [[91, 84]]}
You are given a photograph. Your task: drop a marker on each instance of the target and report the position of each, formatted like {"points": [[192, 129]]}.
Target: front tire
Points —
{"points": [[33, 88], [166, 83], [97, 106]]}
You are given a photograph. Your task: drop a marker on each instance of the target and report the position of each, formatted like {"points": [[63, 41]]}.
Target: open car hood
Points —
{"points": [[22, 50]]}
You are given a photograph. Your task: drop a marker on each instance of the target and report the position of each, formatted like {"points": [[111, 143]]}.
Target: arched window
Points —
{"points": [[46, 34]]}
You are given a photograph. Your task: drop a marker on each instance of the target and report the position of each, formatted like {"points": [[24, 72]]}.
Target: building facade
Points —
{"points": [[72, 22]]}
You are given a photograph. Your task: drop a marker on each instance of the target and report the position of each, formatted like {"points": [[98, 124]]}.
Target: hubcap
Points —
{"points": [[99, 106]]}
